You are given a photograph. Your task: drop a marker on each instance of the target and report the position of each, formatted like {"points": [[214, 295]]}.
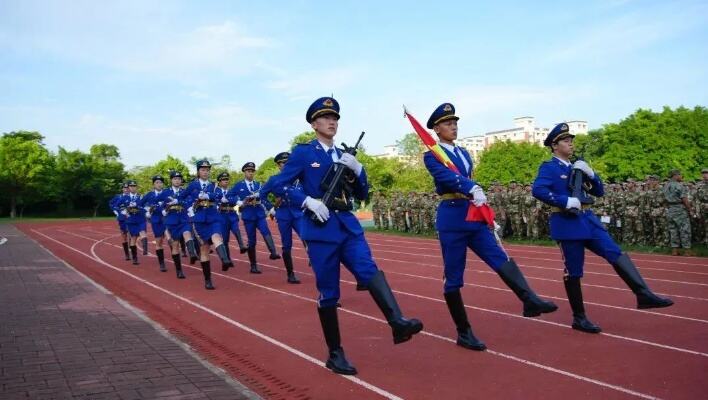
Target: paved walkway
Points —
{"points": [[61, 337]]}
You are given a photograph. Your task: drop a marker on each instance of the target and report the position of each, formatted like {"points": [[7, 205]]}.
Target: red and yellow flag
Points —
{"points": [[474, 213]]}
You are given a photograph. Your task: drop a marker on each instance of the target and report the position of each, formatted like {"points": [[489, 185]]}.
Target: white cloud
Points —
{"points": [[314, 83]]}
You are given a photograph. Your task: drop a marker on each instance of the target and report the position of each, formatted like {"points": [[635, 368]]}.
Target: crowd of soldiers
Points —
{"points": [[633, 212]]}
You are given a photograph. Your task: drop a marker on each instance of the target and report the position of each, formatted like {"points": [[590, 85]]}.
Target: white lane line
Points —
{"points": [[286, 347], [224, 318], [635, 340]]}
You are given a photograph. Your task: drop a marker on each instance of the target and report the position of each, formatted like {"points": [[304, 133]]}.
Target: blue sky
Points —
{"points": [[232, 77]]}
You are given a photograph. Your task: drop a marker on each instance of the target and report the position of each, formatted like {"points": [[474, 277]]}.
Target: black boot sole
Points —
{"points": [[226, 267], [645, 306], [209, 286], [407, 334], [243, 250], [274, 257], [536, 311], [293, 281], [181, 276], [475, 347], [587, 330]]}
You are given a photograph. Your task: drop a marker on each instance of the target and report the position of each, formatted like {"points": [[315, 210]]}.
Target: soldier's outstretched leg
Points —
{"points": [[237, 233], [178, 265], [126, 250], [533, 305], [183, 246], [192, 248], [288, 261], [575, 298], [626, 269], [161, 259], [337, 361], [271, 247], [403, 329], [206, 270], [226, 262], [252, 260], [465, 337]]}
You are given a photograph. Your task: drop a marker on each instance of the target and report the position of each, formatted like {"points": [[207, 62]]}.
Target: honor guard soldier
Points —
{"points": [[175, 217], [153, 212], [227, 210], [135, 219], [115, 206], [253, 213], [207, 222], [456, 234], [289, 218], [575, 227], [334, 236]]}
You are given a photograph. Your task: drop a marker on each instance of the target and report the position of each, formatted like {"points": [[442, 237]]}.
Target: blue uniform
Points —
{"points": [[288, 216], [341, 238], [176, 219], [206, 220], [573, 232], [229, 216], [151, 202], [456, 234], [114, 204], [135, 221], [253, 213]]}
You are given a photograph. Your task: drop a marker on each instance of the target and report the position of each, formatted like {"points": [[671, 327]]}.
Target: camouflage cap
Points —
{"points": [[674, 172]]}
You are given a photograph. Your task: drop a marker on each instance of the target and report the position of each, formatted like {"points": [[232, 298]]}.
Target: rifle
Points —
{"points": [[577, 189], [334, 183]]}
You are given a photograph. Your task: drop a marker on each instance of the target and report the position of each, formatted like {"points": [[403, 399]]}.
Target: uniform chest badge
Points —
{"points": [[564, 176], [315, 164]]}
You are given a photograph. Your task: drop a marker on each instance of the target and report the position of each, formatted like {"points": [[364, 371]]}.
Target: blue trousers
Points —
{"points": [[177, 230], [353, 251], [251, 226], [121, 225], [206, 229], [600, 243], [135, 229], [286, 228], [454, 246]]}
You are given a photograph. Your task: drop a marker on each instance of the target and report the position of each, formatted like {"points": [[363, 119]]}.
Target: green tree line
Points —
{"points": [[37, 181]]}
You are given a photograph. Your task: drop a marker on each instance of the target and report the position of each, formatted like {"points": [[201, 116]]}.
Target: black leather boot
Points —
{"points": [[178, 266], [241, 247], [288, 261], [403, 329], [192, 249], [575, 298], [337, 361], [126, 250], [271, 247], [183, 247], [161, 259], [224, 256], [533, 305], [626, 269], [144, 242], [465, 336], [360, 287], [206, 269], [252, 260], [134, 254]]}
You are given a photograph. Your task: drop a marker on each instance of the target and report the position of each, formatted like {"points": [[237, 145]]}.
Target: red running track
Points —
{"points": [[266, 333]]}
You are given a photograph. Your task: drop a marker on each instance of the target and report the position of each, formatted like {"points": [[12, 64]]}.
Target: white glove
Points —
{"points": [[124, 212], [190, 212], [272, 211], [164, 213], [497, 228], [573, 202], [147, 214], [351, 162], [478, 197], [172, 202], [224, 199], [239, 203], [317, 207], [583, 166], [132, 204], [115, 212], [203, 196]]}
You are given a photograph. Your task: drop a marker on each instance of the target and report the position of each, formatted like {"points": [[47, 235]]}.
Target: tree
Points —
{"points": [[305, 137], [25, 164], [506, 161], [411, 147]]}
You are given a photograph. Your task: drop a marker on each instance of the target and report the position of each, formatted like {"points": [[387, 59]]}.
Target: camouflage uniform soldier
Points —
{"points": [[616, 207], [532, 213], [414, 211], [503, 213], [430, 206], [654, 216], [702, 205], [398, 207], [677, 214], [515, 210]]}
